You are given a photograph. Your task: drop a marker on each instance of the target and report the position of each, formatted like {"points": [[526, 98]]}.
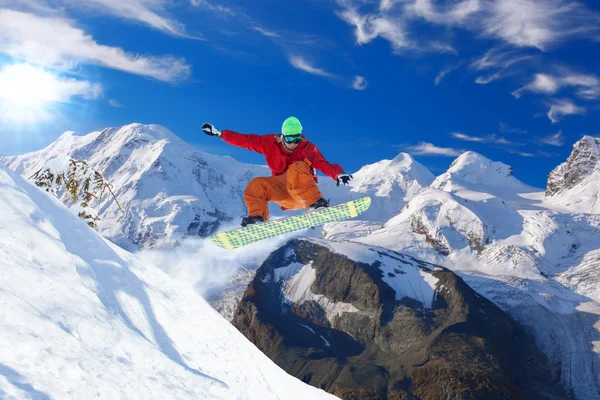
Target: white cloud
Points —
{"points": [[425, 148], [467, 138], [266, 32], [148, 12], [369, 27], [449, 15], [563, 107], [499, 58], [114, 103], [541, 84], [507, 128], [588, 86], [54, 41], [553, 140], [302, 64], [386, 5], [505, 62], [441, 47], [359, 83], [481, 139], [522, 23], [446, 71], [521, 153], [538, 23]]}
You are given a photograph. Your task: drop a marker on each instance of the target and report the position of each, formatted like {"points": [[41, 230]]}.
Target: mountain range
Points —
{"points": [[532, 252]]}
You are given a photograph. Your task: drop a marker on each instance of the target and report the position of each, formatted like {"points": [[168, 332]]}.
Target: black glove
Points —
{"points": [[343, 179], [211, 130]]}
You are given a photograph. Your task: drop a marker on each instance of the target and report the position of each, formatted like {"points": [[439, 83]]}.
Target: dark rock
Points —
{"points": [[449, 343]]}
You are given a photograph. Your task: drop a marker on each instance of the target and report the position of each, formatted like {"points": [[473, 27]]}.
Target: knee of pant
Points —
{"points": [[256, 183]]}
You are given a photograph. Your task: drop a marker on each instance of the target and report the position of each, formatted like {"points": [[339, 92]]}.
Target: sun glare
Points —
{"points": [[26, 93]]}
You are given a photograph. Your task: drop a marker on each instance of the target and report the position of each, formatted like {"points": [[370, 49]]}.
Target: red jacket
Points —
{"points": [[278, 158]]}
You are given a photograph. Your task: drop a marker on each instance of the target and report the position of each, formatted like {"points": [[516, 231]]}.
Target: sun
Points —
{"points": [[27, 93]]}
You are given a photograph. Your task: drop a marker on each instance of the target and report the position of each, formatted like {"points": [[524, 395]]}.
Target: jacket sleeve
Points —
{"points": [[257, 143], [320, 163]]}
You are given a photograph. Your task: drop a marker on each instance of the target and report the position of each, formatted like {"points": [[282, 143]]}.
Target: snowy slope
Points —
{"points": [[528, 255], [82, 318], [168, 189]]}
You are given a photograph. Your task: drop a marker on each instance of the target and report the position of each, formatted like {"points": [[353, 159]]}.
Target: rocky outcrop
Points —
{"points": [[582, 162], [368, 323]]}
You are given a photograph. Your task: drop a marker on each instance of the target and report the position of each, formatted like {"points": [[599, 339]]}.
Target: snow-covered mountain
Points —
{"points": [[575, 184], [517, 248], [167, 188], [170, 191], [535, 253], [81, 318], [391, 184]]}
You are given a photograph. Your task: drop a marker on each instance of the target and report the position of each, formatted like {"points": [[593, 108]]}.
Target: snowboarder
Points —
{"points": [[292, 160]]}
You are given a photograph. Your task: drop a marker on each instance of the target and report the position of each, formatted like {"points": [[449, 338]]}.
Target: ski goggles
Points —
{"points": [[292, 138]]}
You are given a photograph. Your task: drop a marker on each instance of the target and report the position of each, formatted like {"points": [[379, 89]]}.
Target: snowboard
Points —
{"points": [[264, 230]]}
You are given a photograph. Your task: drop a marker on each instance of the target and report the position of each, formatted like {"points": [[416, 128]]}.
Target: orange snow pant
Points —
{"points": [[293, 190]]}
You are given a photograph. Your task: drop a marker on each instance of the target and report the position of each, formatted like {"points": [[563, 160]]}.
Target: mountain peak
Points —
{"points": [[582, 162], [404, 158], [472, 167], [470, 159]]}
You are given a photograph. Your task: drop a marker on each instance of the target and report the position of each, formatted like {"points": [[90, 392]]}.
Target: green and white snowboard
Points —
{"points": [[256, 232]]}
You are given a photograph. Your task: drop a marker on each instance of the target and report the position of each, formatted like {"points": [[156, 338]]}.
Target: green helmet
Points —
{"points": [[291, 126]]}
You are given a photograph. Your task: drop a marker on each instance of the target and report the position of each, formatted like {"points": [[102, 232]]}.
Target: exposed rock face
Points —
{"points": [[381, 325], [582, 162]]}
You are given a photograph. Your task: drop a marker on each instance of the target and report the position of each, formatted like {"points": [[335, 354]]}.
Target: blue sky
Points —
{"points": [[516, 80]]}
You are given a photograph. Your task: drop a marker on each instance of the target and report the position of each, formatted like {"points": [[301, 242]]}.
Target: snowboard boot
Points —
{"points": [[252, 220], [319, 204]]}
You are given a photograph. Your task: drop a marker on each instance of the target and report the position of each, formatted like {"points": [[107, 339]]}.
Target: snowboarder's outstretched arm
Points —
{"points": [[320, 163], [257, 143]]}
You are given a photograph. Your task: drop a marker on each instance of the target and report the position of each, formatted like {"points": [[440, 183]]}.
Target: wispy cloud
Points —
{"points": [[216, 8], [563, 107], [429, 149], [521, 153], [152, 13], [553, 140], [455, 14], [541, 24], [587, 86], [507, 128], [55, 41], [541, 84], [149, 12], [359, 83], [301, 63], [370, 26], [538, 153], [266, 32], [502, 62], [114, 103], [522, 23], [446, 71], [493, 138]]}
